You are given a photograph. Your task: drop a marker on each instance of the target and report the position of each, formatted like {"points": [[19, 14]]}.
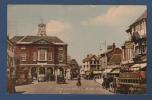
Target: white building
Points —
{"points": [[135, 49], [90, 65]]}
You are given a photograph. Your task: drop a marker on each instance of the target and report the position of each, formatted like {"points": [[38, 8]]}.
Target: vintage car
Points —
{"points": [[132, 83], [61, 79]]}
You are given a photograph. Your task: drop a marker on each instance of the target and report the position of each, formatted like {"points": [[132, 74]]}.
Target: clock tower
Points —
{"points": [[41, 29]]}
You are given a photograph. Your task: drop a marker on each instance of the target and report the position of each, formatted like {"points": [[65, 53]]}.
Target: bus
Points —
{"points": [[132, 82]]}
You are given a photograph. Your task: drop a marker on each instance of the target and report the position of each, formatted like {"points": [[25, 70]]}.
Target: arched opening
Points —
{"points": [[50, 75], [61, 71], [61, 76], [41, 70], [41, 75], [34, 73]]}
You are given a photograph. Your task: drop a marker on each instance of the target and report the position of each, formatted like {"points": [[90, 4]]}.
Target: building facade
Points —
{"points": [[91, 66], [128, 53], [111, 58], [73, 70], [40, 56], [11, 68], [135, 49], [110, 61]]}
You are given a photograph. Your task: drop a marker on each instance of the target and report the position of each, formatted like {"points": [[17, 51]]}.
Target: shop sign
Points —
{"points": [[129, 45]]}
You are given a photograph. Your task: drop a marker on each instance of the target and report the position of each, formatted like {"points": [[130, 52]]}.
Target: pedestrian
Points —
{"points": [[131, 90], [114, 86], [79, 81]]}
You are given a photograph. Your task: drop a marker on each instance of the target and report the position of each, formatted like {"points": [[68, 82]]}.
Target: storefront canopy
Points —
{"points": [[97, 72], [107, 70], [138, 66], [115, 71]]}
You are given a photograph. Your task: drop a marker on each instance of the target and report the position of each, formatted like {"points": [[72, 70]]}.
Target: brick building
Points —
{"points": [[40, 56], [11, 68], [111, 58], [110, 61]]}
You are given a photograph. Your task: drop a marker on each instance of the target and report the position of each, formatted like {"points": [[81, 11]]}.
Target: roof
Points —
{"points": [[110, 52], [143, 16], [115, 59], [105, 53], [74, 62], [115, 71], [31, 39], [107, 70], [89, 57]]}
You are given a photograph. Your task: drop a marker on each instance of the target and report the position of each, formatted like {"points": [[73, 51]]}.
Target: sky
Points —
{"points": [[84, 28]]}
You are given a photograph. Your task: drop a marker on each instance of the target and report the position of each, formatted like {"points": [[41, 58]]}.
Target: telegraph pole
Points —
{"points": [[105, 44]]}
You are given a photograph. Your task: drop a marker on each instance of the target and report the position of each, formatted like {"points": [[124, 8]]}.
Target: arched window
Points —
{"points": [[41, 70]]}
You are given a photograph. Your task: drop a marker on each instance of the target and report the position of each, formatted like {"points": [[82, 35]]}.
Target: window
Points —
{"points": [[60, 55], [34, 56], [137, 28], [41, 70], [23, 56], [61, 48], [94, 62], [50, 56], [23, 48], [42, 54]]}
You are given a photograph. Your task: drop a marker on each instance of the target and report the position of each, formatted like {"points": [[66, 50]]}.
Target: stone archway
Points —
{"points": [[34, 73], [61, 71], [41, 74], [42, 70], [50, 74]]}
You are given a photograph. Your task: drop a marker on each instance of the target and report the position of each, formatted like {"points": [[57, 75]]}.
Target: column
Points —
{"points": [[29, 73]]}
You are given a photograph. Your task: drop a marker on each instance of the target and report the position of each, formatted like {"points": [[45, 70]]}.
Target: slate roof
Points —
{"points": [[31, 39], [16, 38]]}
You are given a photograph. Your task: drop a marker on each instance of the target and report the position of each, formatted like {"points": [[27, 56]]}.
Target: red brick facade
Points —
{"points": [[38, 53]]}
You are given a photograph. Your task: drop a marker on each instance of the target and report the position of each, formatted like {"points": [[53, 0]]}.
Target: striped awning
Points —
{"points": [[138, 66], [115, 71]]}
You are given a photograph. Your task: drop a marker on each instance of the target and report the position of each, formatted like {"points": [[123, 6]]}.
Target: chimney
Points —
{"points": [[113, 46]]}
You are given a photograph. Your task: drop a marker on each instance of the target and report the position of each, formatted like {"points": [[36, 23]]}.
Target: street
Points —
{"points": [[88, 87]]}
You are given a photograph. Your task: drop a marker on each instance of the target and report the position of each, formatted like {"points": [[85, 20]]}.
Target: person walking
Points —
{"points": [[79, 81]]}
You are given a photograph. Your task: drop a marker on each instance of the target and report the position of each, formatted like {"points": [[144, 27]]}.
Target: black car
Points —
{"points": [[61, 79]]}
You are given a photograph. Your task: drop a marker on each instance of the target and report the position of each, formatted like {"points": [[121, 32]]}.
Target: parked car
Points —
{"points": [[61, 79]]}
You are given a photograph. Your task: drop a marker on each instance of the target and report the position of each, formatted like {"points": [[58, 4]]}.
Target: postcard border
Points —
{"points": [[3, 46]]}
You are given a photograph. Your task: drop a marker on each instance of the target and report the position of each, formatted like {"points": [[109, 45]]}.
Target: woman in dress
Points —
{"points": [[79, 81]]}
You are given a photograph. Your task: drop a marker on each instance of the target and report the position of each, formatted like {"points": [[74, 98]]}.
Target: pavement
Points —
{"points": [[87, 87]]}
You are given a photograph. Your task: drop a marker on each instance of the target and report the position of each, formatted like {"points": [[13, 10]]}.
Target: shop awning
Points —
{"points": [[115, 71], [138, 66], [97, 72], [107, 70]]}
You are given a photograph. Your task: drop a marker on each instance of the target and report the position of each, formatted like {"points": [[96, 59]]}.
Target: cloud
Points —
{"points": [[116, 16], [59, 28], [56, 26]]}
